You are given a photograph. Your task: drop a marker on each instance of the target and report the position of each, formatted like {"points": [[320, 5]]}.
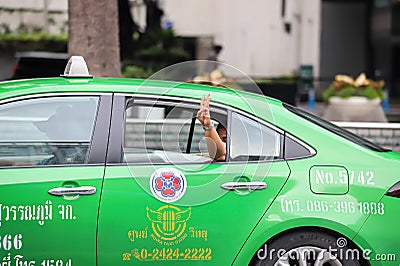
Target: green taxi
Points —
{"points": [[111, 171]]}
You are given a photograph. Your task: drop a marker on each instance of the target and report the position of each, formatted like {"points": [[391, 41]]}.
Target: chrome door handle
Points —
{"points": [[244, 185], [61, 191]]}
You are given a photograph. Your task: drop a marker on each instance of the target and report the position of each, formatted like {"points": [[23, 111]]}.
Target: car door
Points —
{"points": [[166, 202], [52, 158]]}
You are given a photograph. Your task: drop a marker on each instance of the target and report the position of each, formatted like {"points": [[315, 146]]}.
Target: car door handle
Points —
{"points": [[244, 185], [61, 191]]}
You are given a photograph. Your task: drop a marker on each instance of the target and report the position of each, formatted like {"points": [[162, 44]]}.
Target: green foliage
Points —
{"points": [[4, 28], [161, 38], [329, 92], [154, 50], [51, 21], [346, 92], [136, 72], [371, 93], [346, 87], [156, 57], [37, 41]]}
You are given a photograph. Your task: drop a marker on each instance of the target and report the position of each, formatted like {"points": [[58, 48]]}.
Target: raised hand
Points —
{"points": [[204, 113]]}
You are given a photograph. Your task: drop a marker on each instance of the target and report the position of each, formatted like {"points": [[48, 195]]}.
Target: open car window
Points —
{"points": [[165, 132]]}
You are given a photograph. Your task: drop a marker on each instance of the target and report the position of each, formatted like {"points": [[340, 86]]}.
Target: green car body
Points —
{"points": [[328, 184]]}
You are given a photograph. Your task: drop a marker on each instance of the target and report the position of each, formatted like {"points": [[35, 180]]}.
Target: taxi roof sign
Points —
{"points": [[76, 68]]}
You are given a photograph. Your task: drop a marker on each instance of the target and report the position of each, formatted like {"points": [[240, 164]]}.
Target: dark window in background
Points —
{"points": [[344, 35], [396, 18], [190, 46], [39, 65], [396, 69]]}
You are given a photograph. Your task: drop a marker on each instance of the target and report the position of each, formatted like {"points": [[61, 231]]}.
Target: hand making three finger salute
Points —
{"points": [[215, 137]]}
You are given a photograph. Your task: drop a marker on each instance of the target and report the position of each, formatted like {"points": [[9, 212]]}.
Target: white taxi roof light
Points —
{"points": [[76, 68]]}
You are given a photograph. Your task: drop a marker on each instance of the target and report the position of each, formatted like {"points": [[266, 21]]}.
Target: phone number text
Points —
{"points": [[337, 206], [145, 254]]}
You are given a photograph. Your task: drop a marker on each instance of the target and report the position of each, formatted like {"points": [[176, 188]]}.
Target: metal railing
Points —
{"points": [[384, 134]]}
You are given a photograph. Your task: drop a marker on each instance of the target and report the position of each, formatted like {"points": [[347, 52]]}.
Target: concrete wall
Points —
{"points": [[252, 32], [31, 13]]}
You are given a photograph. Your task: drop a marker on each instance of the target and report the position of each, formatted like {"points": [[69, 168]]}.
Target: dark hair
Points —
{"points": [[219, 126]]}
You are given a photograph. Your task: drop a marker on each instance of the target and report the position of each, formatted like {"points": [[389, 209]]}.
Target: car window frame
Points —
{"points": [[150, 100], [97, 150], [115, 148]]}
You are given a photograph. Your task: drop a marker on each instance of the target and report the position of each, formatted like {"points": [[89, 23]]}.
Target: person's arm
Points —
{"points": [[216, 147]]}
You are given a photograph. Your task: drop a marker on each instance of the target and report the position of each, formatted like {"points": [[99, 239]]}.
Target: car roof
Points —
{"points": [[16, 88], [41, 55]]}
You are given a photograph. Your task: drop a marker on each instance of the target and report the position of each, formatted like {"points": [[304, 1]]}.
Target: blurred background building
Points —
{"points": [[262, 38]]}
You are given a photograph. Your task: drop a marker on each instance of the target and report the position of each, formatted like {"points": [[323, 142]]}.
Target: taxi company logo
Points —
{"points": [[167, 184], [169, 224]]}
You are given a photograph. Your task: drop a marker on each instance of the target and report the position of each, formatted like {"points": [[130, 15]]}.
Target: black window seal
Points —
{"points": [[117, 130], [338, 131], [98, 147], [190, 137]]}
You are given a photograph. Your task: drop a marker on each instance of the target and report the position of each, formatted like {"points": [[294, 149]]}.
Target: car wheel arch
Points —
{"points": [[269, 234], [307, 228]]}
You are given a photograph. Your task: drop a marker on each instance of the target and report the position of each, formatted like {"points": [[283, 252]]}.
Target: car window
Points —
{"points": [[46, 131], [163, 132], [252, 141], [295, 150]]}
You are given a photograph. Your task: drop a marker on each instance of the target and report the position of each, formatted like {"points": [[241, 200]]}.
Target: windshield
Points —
{"points": [[335, 129]]}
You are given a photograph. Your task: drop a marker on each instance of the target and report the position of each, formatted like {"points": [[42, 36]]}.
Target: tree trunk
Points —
{"points": [[93, 33]]}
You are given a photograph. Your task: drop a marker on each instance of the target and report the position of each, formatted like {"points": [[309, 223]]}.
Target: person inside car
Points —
{"points": [[215, 137]]}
